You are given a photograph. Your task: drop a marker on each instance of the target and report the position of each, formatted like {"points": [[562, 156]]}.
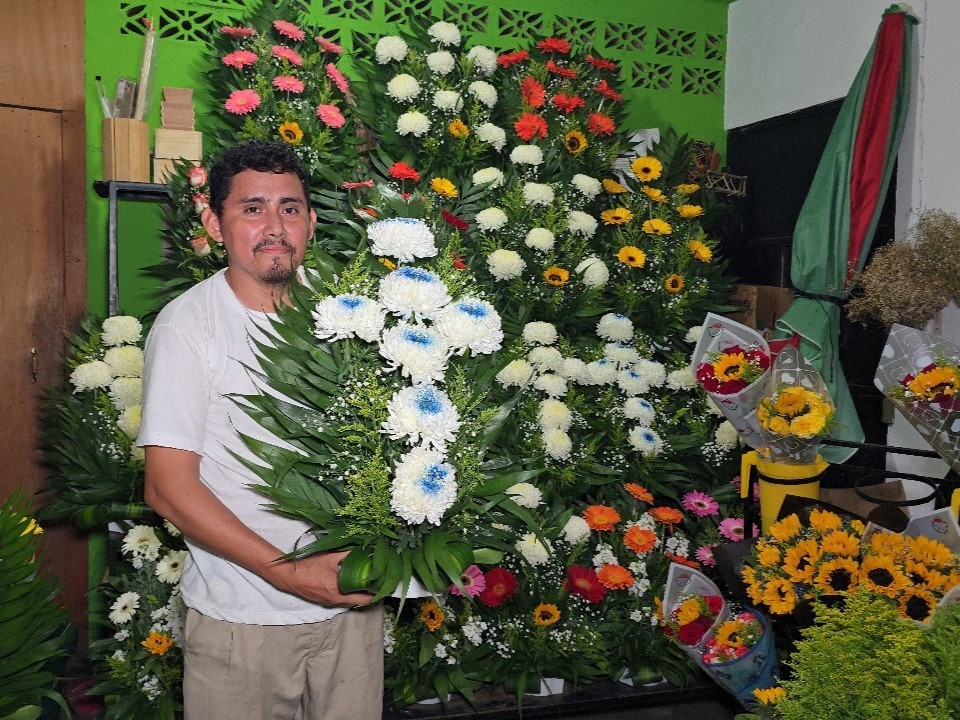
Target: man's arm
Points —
{"points": [[174, 489]]}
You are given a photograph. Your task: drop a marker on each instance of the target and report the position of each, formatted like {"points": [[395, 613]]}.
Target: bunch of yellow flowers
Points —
{"points": [[796, 411]]}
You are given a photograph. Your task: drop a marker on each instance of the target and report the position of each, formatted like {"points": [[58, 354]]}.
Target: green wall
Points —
{"points": [[672, 55]]}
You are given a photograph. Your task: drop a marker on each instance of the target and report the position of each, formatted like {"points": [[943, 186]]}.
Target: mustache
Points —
{"points": [[282, 242]]}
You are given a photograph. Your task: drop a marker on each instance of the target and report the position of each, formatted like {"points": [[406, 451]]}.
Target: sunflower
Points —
{"points": [[777, 425], [700, 251], [632, 256], [575, 142], [837, 576], [443, 187], [615, 577], [887, 543], [728, 633], [807, 426], [930, 552], [546, 614], [689, 212], [917, 604], [646, 168], [786, 528], [556, 276], [754, 587], [656, 226], [616, 216], [790, 402], [459, 129], [730, 366], [291, 133], [768, 555], [770, 696], [839, 542], [923, 577], [880, 574], [688, 611], [655, 194], [780, 596], [612, 187], [800, 561], [639, 492], [431, 615], [931, 384], [673, 284]]}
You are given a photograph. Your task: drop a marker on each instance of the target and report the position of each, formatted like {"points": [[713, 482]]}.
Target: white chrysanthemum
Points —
{"points": [[539, 333], [593, 272], [141, 540], [470, 324], [403, 238], [653, 372], [390, 47], [126, 391], [557, 444], [602, 372], [640, 410], [344, 316], [424, 487], [537, 193], [448, 100], [413, 123], [526, 155], [505, 264], [576, 529], [120, 330], [444, 33], [413, 291], [516, 373], [484, 92], [588, 186], [124, 361], [552, 384], [484, 59], [615, 327], [540, 239], [579, 222], [532, 549], [137, 453], [422, 414], [492, 135], [90, 375], [441, 62], [420, 352], [403, 87], [621, 355], [491, 219], [646, 441], [632, 383], [682, 379], [491, 175], [693, 334], [170, 567], [554, 414], [123, 608], [129, 421], [525, 495], [546, 359], [727, 435], [575, 370]]}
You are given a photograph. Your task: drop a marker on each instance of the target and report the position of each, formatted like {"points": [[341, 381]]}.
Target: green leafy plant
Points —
{"points": [[943, 639]]}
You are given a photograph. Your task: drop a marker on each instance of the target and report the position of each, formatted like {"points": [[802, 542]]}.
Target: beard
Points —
{"points": [[278, 272]]}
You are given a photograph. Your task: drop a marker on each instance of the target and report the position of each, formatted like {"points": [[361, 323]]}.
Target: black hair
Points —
{"points": [[259, 155]]}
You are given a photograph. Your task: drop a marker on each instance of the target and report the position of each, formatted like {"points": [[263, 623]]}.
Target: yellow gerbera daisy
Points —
{"points": [[881, 574], [546, 614], [673, 284], [780, 596], [612, 187], [647, 168], [700, 251], [655, 194], [458, 129], [689, 212], [291, 133], [687, 188], [836, 576], [616, 216], [443, 187], [656, 226], [556, 276], [575, 142], [785, 529], [688, 611], [632, 256]]}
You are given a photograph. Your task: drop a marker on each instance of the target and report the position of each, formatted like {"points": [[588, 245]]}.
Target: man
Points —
{"points": [[263, 639]]}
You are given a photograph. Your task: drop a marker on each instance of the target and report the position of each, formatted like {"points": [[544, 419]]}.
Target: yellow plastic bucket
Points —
{"points": [[777, 480], [955, 503]]}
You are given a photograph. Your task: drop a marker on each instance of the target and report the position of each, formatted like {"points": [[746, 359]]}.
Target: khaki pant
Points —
{"points": [[330, 670]]}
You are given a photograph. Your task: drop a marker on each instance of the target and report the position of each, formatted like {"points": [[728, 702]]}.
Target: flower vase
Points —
{"points": [[548, 687], [415, 589]]}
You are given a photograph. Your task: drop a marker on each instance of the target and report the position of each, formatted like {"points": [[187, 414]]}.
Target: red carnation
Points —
{"points": [[603, 87], [508, 59], [568, 103], [561, 71], [714, 604], [450, 219], [582, 581], [601, 64], [600, 124], [554, 45], [692, 633], [529, 126], [402, 171], [501, 586], [532, 91]]}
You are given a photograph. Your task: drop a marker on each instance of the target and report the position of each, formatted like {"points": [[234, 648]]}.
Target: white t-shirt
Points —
{"points": [[196, 355]]}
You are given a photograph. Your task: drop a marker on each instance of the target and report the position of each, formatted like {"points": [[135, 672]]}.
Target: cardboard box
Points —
{"points": [[126, 150], [183, 144], [178, 95], [176, 116], [760, 305]]}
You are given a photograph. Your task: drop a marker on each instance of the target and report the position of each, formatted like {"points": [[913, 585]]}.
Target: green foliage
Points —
{"points": [[943, 642]]}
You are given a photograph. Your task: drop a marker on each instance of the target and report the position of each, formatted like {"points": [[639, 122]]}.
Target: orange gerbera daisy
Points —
{"points": [[601, 517], [530, 125], [615, 577], [532, 92], [613, 187], [639, 492], [158, 643], [666, 515], [655, 194], [632, 256], [640, 540]]}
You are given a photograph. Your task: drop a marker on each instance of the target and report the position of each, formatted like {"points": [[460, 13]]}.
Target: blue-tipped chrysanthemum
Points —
{"points": [[470, 324], [413, 291], [420, 352], [422, 413], [424, 486], [646, 441], [344, 316]]}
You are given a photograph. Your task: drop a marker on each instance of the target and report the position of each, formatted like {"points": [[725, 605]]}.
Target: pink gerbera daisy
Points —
{"points": [[238, 31], [700, 504], [288, 29], [285, 53], [732, 528], [705, 555], [331, 115], [337, 77], [240, 59], [242, 102], [473, 582], [288, 83], [330, 47]]}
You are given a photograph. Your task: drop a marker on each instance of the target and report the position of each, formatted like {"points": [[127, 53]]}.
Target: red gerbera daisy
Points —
{"points": [[600, 124], [603, 87], [561, 71], [453, 221], [402, 171], [553, 44], [567, 103], [532, 91], [501, 586], [601, 64], [582, 581], [530, 125], [508, 59]]}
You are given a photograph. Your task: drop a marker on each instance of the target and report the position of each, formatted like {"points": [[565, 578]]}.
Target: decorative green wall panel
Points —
{"points": [[671, 55]]}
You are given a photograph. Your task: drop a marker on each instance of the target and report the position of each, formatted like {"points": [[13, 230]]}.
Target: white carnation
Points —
{"points": [[554, 414], [492, 135], [693, 334], [575, 370], [344, 316], [646, 441], [539, 333], [557, 444], [526, 155], [91, 375], [553, 385], [412, 290], [516, 373], [470, 324], [593, 272], [403, 238], [124, 607], [448, 100], [170, 567], [444, 33], [484, 59], [505, 264], [424, 487], [419, 352], [491, 219], [484, 92], [390, 47], [576, 529], [537, 193], [682, 379], [413, 123], [120, 330], [546, 358], [533, 550], [129, 421], [490, 175], [422, 414], [632, 383], [124, 361], [640, 410], [441, 62], [403, 87], [579, 222], [615, 327], [727, 435], [653, 372], [602, 372], [621, 355], [588, 186], [126, 391], [540, 239], [525, 495]]}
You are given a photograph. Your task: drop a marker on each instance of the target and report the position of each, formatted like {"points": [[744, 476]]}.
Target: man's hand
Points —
{"points": [[314, 578]]}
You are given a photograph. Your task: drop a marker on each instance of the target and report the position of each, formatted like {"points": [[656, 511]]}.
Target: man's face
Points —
{"points": [[265, 226]]}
